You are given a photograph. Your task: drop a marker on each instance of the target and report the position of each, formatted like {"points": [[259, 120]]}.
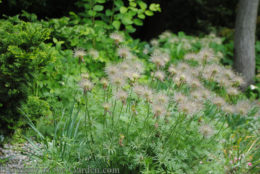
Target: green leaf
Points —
{"points": [[130, 28], [155, 7], [138, 22], [127, 20], [143, 5], [119, 3], [109, 13], [133, 4], [132, 13], [101, 1], [116, 24], [141, 16], [55, 40], [92, 13], [87, 6], [123, 9], [149, 13], [98, 7]]}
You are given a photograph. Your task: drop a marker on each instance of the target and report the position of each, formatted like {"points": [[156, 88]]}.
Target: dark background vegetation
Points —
{"points": [[191, 16]]}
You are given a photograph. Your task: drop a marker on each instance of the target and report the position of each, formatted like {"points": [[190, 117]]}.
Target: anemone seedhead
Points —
{"points": [[85, 76], [154, 42], [121, 95], [243, 107], [159, 75], [86, 85], [206, 130], [218, 101], [190, 56], [182, 67], [104, 83], [111, 70], [158, 110], [195, 83], [118, 38], [179, 97], [118, 80], [161, 98], [172, 70], [232, 91], [158, 61], [238, 80], [189, 107], [138, 89], [106, 107], [228, 108], [124, 52], [79, 52]]}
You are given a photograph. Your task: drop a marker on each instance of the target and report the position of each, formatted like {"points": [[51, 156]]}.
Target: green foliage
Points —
{"points": [[23, 55], [35, 108], [98, 15]]}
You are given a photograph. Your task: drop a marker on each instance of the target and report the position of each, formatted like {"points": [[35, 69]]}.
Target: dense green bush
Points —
{"points": [[23, 55], [35, 108]]}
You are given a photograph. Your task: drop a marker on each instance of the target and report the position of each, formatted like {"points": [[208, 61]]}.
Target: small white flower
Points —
{"points": [[253, 87]]}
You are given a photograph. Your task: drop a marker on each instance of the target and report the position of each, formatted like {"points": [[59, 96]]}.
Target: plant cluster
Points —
{"points": [[184, 116], [94, 97]]}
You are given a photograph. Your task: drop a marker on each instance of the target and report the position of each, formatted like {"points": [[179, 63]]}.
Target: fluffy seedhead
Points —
{"points": [[218, 101], [158, 110], [160, 75], [79, 52], [85, 76], [206, 130], [172, 70], [124, 52], [161, 98], [118, 38], [86, 85], [106, 107], [104, 83], [121, 95], [243, 107]]}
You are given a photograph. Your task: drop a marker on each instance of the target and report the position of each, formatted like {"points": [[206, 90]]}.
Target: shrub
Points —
{"points": [[23, 55], [35, 108]]}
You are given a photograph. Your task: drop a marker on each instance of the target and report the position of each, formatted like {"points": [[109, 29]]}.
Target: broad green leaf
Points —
{"points": [[132, 13], [116, 24], [92, 13], [98, 7], [149, 13], [100, 1], [155, 7], [130, 28], [127, 20], [143, 5], [138, 22], [133, 4], [109, 13], [119, 3], [87, 6], [141, 16], [123, 9]]}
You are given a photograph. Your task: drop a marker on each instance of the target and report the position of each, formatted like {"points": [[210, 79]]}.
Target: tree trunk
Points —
{"points": [[244, 42]]}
